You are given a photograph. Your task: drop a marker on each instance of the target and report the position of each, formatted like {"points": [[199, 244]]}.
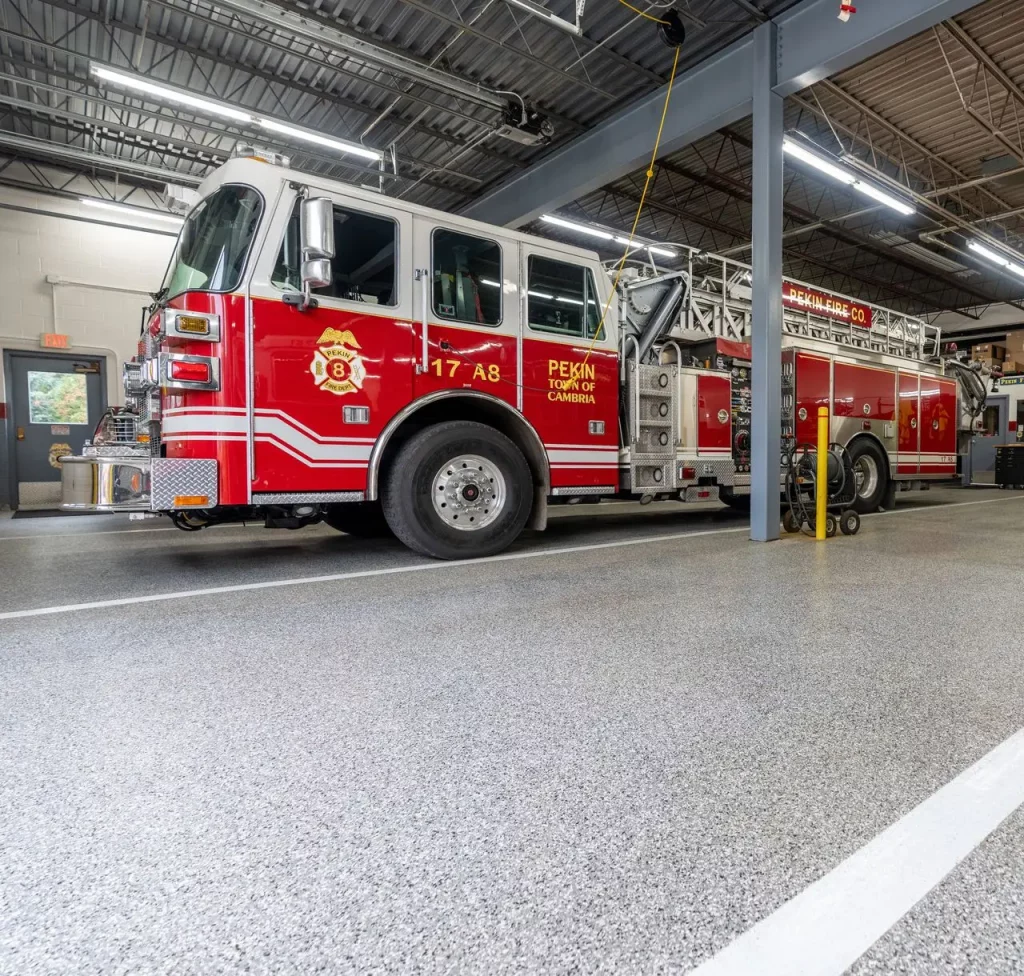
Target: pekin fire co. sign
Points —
{"points": [[809, 300]]}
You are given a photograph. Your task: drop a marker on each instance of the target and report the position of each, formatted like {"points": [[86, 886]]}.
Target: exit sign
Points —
{"points": [[54, 340]]}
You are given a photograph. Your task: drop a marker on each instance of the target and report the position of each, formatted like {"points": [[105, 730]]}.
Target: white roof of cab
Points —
{"points": [[268, 177]]}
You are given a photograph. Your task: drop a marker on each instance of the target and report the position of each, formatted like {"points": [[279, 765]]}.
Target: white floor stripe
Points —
{"points": [[828, 926], [360, 574], [419, 567], [575, 510]]}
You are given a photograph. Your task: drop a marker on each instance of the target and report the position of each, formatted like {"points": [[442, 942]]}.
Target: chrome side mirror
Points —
{"points": [[316, 223], [316, 246], [316, 273]]}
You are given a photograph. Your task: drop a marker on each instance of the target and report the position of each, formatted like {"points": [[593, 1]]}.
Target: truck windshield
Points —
{"points": [[213, 244]]}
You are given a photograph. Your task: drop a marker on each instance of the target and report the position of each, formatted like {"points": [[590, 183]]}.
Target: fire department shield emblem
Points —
{"points": [[337, 366]]}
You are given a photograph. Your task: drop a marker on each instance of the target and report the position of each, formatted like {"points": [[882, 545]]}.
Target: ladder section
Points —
{"points": [[718, 305], [653, 413]]}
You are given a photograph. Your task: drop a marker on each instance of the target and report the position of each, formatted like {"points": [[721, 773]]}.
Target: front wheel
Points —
{"points": [[870, 474], [458, 490]]}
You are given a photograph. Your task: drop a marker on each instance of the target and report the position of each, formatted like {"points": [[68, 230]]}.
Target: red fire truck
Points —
{"points": [[321, 352]]}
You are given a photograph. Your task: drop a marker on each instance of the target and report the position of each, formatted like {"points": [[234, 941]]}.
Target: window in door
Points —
{"points": [[466, 277], [365, 264], [561, 298], [990, 422], [57, 398]]}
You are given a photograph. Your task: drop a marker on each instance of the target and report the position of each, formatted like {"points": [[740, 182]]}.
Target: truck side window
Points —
{"points": [[562, 298], [364, 267], [466, 278]]}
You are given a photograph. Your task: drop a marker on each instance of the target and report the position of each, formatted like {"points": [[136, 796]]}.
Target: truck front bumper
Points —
{"points": [[137, 483]]}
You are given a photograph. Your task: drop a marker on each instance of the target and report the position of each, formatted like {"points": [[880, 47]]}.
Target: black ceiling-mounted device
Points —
{"points": [[671, 30], [525, 125]]}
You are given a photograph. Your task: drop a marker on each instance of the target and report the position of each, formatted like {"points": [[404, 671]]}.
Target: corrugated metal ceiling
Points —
{"points": [[937, 111]]}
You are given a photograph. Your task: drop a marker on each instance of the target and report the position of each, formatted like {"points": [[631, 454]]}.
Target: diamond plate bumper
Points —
{"points": [[136, 484]]}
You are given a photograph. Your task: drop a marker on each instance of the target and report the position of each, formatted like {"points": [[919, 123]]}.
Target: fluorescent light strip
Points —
{"points": [[607, 236], [229, 112], [579, 228], [987, 254], [490, 282], [996, 258], [569, 301], [870, 190], [812, 159], [540, 294], [845, 176], [171, 94], [662, 252], [134, 211], [306, 135]]}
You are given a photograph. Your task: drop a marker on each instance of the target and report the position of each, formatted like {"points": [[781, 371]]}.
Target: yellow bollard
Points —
{"points": [[821, 483]]}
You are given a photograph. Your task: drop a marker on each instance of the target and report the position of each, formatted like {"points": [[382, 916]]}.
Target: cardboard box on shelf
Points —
{"points": [[1012, 366], [990, 362], [988, 350], [1015, 345]]}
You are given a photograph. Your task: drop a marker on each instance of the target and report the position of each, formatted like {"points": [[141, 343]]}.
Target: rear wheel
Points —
{"points": [[365, 520], [739, 503], [458, 490], [870, 474]]}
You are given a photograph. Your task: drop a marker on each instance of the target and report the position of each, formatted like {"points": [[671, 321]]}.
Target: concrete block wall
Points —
{"points": [[108, 262]]}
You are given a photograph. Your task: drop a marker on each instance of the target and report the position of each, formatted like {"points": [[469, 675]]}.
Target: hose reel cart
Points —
{"points": [[802, 491]]}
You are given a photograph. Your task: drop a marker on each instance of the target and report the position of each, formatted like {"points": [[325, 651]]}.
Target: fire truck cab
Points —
{"points": [[319, 351]]}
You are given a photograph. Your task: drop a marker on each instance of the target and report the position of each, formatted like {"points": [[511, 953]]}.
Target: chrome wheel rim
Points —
{"points": [[468, 492], [865, 473]]}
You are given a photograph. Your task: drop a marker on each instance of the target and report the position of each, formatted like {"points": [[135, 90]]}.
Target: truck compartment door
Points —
{"points": [[909, 444]]}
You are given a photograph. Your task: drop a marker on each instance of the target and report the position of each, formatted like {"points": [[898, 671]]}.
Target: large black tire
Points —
{"points": [[739, 503], [483, 486], [365, 520], [871, 471]]}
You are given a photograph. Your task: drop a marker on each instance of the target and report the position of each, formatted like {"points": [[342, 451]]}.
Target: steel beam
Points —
{"points": [[705, 98], [812, 43], [766, 303], [93, 160]]}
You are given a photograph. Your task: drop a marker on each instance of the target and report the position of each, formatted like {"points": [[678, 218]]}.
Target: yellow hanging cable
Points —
{"points": [[639, 209], [643, 13]]}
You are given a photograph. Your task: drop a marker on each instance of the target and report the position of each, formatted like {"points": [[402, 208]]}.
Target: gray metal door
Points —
{"points": [[56, 401], [983, 445]]}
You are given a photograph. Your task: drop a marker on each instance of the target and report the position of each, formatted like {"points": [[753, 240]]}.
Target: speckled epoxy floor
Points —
{"points": [[612, 760]]}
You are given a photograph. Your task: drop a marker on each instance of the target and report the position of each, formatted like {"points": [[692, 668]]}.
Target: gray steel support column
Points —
{"points": [[766, 259]]}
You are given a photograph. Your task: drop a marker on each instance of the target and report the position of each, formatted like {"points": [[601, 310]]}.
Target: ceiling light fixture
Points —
{"points": [[171, 94], [996, 258], [844, 176], [579, 228], [340, 145], [134, 211], [212, 107], [544, 14], [605, 235]]}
